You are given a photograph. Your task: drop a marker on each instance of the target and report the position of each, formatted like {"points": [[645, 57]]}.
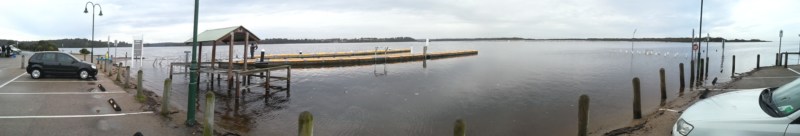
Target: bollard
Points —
{"points": [[127, 76], [682, 80], [661, 73], [733, 66], [139, 94], [305, 124], [117, 71], [262, 55], [691, 75], [758, 61], [208, 114], [165, 97], [22, 66], [460, 128], [583, 115], [637, 101]]}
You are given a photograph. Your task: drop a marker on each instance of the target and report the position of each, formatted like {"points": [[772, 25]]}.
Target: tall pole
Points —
{"points": [[190, 115], [798, 51], [780, 40], [85, 10], [700, 34]]}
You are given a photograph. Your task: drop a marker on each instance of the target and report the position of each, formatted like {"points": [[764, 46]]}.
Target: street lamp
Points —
{"points": [[86, 10]]}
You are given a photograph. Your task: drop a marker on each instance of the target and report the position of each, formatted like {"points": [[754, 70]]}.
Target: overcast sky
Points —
{"points": [[171, 20]]}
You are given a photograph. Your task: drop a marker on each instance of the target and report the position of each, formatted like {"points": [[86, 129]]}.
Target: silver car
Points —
{"points": [[756, 112]]}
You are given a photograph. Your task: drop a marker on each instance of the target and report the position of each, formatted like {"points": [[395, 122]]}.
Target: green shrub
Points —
{"points": [[85, 51]]}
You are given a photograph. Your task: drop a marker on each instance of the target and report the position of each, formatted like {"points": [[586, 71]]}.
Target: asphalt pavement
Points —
{"points": [[70, 106]]}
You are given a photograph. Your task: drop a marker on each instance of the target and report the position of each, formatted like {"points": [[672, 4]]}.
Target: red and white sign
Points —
{"points": [[695, 46]]}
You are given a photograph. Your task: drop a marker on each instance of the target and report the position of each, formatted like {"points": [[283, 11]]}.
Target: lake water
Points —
{"points": [[509, 88]]}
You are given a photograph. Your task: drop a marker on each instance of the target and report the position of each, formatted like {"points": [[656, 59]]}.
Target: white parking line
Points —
{"points": [[64, 93], [790, 69], [72, 116], [49, 81], [9, 81]]}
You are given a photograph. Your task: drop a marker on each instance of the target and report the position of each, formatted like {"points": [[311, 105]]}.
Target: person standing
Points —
{"points": [[253, 48]]}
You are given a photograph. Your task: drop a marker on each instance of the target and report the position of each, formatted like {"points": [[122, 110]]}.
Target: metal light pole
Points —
{"points": [[780, 40], [190, 115], [86, 10], [699, 34], [798, 51]]}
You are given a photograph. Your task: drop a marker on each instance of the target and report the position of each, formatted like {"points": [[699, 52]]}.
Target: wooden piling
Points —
{"points": [[777, 59], [583, 115], [707, 61], [691, 75], [289, 81], [785, 60], [165, 97], [139, 94], [682, 77], [208, 114], [662, 74], [460, 128], [758, 61], [305, 124], [637, 101], [733, 66], [700, 75]]}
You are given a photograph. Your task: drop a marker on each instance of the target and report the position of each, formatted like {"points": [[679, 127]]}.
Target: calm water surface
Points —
{"points": [[509, 88]]}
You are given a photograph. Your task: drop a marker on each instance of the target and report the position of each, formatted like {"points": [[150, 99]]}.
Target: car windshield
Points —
{"points": [[783, 98]]}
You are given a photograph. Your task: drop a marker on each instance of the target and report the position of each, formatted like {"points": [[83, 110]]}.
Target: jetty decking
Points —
{"points": [[344, 58]]}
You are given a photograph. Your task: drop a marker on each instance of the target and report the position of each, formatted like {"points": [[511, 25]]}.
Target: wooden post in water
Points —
{"points": [[289, 81], [460, 128], [165, 97], [785, 60], [682, 77], [661, 73], [637, 101], [691, 75], [139, 93], [208, 114], [733, 66], [583, 115], [305, 124], [230, 64], [758, 61], [700, 75], [707, 61]]}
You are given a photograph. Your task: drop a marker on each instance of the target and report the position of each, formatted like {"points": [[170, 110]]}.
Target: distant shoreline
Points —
{"points": [[81, 43]]}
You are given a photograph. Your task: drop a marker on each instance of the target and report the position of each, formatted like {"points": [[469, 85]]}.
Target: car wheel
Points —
{"points": [[36, 74], [84, 74]]}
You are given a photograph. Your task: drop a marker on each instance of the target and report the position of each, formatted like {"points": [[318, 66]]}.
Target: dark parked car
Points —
{"points": [[58, 63]]}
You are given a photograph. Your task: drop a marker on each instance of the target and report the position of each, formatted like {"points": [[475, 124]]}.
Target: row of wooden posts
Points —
{"points": [[583, 102], [306, 119]]}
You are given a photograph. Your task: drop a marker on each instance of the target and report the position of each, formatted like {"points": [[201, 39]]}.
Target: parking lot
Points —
{"points": [[70, 106]]}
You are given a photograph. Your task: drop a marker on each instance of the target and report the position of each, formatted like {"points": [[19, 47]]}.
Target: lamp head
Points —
{"points": [[85, 10], [101, 13]]}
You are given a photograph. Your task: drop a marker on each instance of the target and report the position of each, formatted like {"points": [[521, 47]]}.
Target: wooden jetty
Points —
{"points": [[306, 60], [332, 54]]}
